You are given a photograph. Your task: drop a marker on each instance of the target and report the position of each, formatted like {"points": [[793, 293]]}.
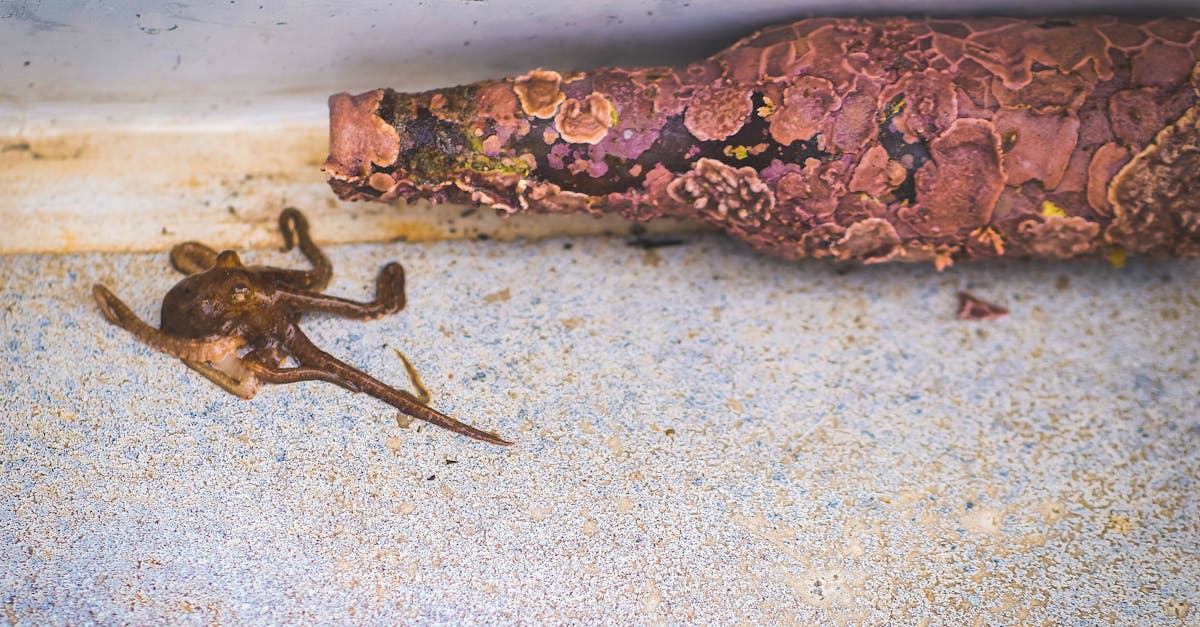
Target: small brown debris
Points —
{"points": [[971, 307], [497, 297]]}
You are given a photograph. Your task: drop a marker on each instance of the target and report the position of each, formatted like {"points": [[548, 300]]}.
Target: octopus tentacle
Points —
{"points": [[294, 228], [193, 257], [239, 375], [389, 298], [422, 394], [191, 349], [356, 380], [229, 374], [270, 370]]}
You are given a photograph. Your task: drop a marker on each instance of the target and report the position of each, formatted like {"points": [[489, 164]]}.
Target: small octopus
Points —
{"points": [[237, 325]]}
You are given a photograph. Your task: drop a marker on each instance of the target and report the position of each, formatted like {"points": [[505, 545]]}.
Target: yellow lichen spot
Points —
{"points": [[896, 107], [1050, 209], [737, 152], [767, 109], [1008, 140], [1116, 257]]}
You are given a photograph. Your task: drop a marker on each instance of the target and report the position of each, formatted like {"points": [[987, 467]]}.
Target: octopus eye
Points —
{"points": [[240, 293]]}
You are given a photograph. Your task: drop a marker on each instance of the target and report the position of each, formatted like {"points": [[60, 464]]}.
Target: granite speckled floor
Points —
{"points": [[703, 435]]}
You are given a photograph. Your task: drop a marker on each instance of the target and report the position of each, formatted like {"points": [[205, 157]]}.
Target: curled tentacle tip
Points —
{"points": [[490, 437], [104, 299], [290, 221]]}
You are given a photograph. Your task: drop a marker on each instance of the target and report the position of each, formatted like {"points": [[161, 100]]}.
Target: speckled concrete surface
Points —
{"points": [[704, 435]]}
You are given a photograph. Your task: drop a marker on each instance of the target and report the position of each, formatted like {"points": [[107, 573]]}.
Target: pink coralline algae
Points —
{"points": [[854, 139]]}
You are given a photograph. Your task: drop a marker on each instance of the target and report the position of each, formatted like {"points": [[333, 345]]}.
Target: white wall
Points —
{"points": [[248, 49]]}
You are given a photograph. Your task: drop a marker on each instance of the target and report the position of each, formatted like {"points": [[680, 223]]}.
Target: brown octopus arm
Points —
{"points": [[315, 360], [194, 257], [414, 378], [263, 368], [236, 375], [294, 228], [192, 349], [389, 298], [229, 374]]}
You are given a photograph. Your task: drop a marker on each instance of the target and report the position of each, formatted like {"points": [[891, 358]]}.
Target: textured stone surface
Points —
{"points": [[704, 434]]}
